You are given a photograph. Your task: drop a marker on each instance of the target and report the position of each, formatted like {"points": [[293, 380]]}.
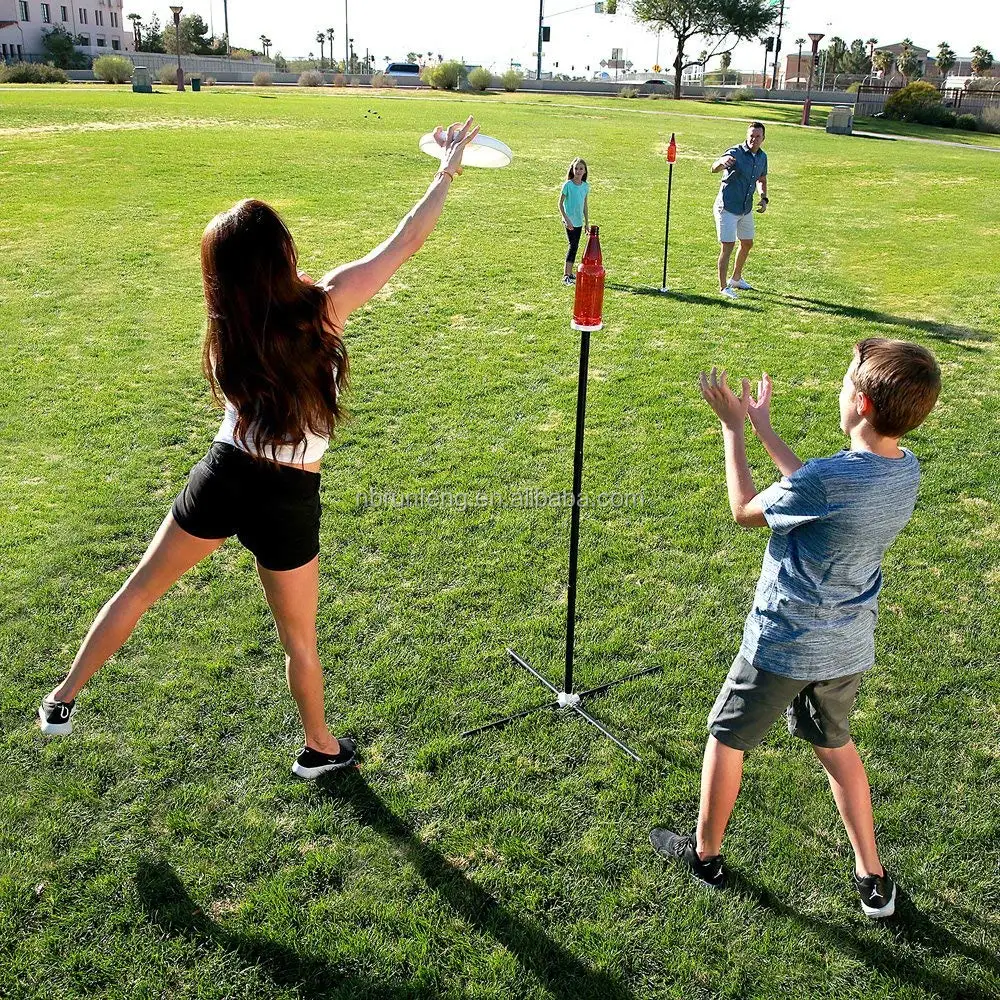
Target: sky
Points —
{"points": [[493, 33]]}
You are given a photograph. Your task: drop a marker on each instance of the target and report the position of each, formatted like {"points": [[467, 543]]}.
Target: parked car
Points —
{"points": [[402, 69]]}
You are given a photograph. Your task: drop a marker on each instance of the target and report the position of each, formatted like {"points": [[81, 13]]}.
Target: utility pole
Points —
{"points": [[225, 14], [538, 72], [777, 46], [346, 43]]}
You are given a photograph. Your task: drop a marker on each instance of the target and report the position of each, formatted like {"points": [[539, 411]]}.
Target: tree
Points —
{"points": [[982, 60], [329, 35], [193, 32], [136, 20], [856, 60], [882, 61], [280, 63], [321, 38], [907, 63], [411, 57], [718, 20], [946, 60], [58, 47], [724, 63], [834, 53], [153, 42]]}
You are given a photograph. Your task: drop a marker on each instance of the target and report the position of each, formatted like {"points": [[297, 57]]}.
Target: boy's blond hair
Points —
{"points": [[901, 379]]}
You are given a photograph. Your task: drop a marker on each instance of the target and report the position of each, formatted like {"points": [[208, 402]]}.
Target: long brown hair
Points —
{"points": [[271, 347]]}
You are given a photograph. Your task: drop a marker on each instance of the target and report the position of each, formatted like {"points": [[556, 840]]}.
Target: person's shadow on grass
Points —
{"points": [[907, 924], [562, 974]]}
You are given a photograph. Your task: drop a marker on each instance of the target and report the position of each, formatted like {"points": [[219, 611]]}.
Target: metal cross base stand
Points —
{"points": [[567, 697]]}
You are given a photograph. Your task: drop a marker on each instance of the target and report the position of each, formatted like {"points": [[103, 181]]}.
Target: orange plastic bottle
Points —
{"points": [[588, 304]]}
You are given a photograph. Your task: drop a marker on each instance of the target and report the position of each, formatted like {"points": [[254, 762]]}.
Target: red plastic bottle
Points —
{"points": [[588, 304]]}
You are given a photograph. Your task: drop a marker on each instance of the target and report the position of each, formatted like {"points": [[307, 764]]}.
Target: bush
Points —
{"points": [[208, 81], [744, 94], [968, 122], [262, 79], [854, 87], [444, 76], [31, 73], [113, 69], [628, 92], [382, 81], [480, 78], [168, 75], [340, 80], [916, 102], [311, 78], [716, 96], [948, 119], [512, 80], [989, 121]]}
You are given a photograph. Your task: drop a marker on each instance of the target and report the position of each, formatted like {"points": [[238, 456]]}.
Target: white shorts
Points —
{"points": [[731, 227]]}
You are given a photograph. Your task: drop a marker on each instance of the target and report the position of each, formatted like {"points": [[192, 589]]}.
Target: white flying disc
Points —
{"points": [[483, 151]]}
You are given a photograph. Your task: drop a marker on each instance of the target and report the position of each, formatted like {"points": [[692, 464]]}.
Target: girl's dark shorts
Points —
{"points": [[272, 509]]}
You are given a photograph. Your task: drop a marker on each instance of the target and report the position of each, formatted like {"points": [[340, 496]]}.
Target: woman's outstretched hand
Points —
{"points": [[453, 140]]}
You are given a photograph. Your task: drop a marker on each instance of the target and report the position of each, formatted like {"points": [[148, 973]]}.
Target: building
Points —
{"points": [[928, 67], [97, 25]]}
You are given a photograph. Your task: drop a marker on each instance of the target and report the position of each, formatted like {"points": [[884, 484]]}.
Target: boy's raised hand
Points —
{"points": [[729, 408], [759, 409]]}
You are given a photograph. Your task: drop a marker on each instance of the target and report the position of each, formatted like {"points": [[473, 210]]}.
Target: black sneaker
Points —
{"points": [[878, 895], [683, 847], [310, 764], [55, 718]]}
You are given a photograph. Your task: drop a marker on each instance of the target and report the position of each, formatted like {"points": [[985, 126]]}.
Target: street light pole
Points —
{"points": [[538, 71], [176, 11], [815, 38], [225, 15], [777, 46], [346, 42]]}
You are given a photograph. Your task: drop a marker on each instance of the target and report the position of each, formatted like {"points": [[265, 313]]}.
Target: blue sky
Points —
{"points": [[494, 32]]}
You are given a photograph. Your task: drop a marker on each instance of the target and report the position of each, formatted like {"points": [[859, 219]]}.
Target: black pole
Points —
{"points": [[538, 71], [763, 78], [666, 233], [574, 524], [347, 69], [225, 15]]}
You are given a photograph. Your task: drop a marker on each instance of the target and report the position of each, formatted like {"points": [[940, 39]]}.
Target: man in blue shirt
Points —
{"points": [[744, 170], [809, 637]]}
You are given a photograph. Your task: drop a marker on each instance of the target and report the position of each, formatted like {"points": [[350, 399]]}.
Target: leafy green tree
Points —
{"points": [[982, 60], [58, 47], [280, 63], [835, 53], [193, 32], [153, 40], [724, 63], [856, 60], [718, 20]]}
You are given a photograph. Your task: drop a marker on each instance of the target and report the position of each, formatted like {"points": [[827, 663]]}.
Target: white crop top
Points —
{"points": [[311, 449]]}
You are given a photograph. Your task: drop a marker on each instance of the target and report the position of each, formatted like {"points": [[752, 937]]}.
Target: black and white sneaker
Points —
{"points": [[683, 848], [878, 895], [310, 764], [55, 718]]}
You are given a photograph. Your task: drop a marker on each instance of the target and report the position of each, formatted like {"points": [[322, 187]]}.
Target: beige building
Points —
{"points": [[98, 25]]}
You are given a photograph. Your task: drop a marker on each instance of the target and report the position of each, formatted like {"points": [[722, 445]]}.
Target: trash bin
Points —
{"points": [[196, 83], [841, 119]]}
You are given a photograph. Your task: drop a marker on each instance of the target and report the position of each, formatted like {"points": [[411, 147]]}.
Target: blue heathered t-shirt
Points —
{"points": [[739, 183], [575, 195], [831, 522]]}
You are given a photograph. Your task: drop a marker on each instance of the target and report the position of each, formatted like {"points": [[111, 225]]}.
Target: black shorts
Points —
{"points": [[752, 700], [272, 509]]}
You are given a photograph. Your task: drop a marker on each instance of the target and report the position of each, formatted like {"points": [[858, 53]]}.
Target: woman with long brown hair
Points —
{"points": [[274, 356]]}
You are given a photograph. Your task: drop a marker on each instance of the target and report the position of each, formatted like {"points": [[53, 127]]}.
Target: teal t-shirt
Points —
{"points": [[575, 195]]}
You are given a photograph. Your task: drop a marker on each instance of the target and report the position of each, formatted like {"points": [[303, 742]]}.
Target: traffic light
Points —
{"points": [[546, 33], [769, 43]]}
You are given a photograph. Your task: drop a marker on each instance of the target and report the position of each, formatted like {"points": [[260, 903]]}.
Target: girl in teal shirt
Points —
{"points": [[574, 211]]}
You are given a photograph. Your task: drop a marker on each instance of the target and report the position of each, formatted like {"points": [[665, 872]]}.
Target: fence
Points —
{"points": [[872, 97]]}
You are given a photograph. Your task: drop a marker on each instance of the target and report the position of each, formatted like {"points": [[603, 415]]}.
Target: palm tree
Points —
{"points": [[263, 45], [724, 63], [136, 20], [982, 60], [798, 66], [946, 60], [907, 63], [321, 38], [329, 35], [882, 61]]}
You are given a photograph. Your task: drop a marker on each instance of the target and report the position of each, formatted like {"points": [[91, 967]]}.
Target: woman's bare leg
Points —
{"points": [[171, 553], [293, 596]]}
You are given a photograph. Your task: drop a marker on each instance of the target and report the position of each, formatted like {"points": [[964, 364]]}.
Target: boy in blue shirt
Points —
{"points": [[810, 634]]}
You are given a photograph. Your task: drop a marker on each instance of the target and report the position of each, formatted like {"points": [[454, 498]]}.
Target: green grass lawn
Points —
{"points": [[165, 851]]}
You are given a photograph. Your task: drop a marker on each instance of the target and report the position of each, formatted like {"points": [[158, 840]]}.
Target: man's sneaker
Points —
{"points": [[674, 845], [568, 279], [729, 293], [55, 718], [878, 894], [742, 285], [310, 764]]}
